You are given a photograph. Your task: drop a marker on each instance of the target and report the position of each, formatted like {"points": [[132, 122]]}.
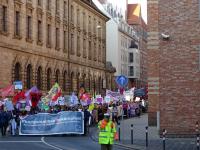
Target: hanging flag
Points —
{"points": [[53, 94], [19, 96], [33, 96], [8, 91]]}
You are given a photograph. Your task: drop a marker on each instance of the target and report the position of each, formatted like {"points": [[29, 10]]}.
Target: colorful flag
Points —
{"points": [[8, 91], [53, 94]]}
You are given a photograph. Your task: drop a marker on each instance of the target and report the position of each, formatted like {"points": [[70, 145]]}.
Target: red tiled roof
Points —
{"points": [[131, 18]]}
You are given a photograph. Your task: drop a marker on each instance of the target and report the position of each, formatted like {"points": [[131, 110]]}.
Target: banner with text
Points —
{"points": [[65, 122]]}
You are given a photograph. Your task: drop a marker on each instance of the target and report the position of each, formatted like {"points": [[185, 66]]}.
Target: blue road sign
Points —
{"points": [[122, 80]]}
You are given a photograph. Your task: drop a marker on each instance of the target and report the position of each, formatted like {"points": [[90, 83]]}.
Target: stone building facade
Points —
{"points": [[48, 41], [174, 65]]}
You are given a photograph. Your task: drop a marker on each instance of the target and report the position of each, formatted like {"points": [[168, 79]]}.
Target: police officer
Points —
{"points": [[107, 132]]}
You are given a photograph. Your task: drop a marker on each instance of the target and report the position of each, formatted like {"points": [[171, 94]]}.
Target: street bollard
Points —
{"points": [[119, 130], [197, 134], [147, 142], [164, 134], [131, 133]]}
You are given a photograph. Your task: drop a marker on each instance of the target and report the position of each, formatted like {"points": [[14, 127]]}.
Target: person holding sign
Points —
{"points": [[107, 132]]}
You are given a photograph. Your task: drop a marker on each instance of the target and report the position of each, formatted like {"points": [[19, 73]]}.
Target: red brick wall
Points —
{"points": [[153, 61], [176, 64]]}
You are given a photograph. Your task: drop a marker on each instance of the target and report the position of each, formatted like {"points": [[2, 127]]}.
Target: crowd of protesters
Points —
{"points": [[10, 120]]}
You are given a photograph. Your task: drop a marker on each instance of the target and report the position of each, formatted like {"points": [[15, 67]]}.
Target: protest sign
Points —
{"points": [[18, 85], [65, 122]]}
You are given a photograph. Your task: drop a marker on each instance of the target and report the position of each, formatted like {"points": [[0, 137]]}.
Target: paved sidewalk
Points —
{"points": [[155, 142]]}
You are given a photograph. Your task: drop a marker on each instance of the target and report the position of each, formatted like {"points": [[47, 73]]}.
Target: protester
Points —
{"points": [[13, 125], [115, 114], [86, 120], [4, 119], [100, 112], [107, 131]]}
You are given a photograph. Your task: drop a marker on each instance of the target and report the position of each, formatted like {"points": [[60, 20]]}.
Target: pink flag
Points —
{"points": [[8, 91]]}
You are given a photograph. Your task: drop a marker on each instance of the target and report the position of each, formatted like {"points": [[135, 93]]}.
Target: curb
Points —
{"points": [[133, 147]]}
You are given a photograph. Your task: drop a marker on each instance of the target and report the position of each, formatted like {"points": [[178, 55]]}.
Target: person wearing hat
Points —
{"points": [[107, 131]]}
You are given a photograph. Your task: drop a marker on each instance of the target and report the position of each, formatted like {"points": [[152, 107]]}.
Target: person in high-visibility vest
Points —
{"points": [[107, 131]]}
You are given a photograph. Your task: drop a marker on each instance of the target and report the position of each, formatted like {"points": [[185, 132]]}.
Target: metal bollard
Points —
{"points": [[119, 130], [147, 142], [131, 133], [197, 134], [164, 134]]}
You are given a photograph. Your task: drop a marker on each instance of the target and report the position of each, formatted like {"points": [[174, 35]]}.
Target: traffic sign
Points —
{"points": [[122, 80]]}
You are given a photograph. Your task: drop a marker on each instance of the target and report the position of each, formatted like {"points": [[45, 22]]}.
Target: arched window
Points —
{"points": [[94, 86], [78, 82], [71, 82], [17, 72], [89, 84], [84, 76], [64, 80], [57, 76], [39, 78], [29, 76], [48, 79], [99, 85]]}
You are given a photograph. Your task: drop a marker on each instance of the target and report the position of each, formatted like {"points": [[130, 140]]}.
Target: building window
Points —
{"points": [[65, 41], [29, 76], [64, 80], [57, 76], [84, 48], [89, 85], [17, 23], [29, 29], [131, 58], [100, 83], [71, 14], [17, 72], [90, 50], [89, 24], [48, 79], [84, 21], [94, 26], [99, 31], [78, 17], [57, 6], [95, 52], [71, 82], [78, 46], [39, 78], [72, 44], [99, 53], [39, 2], [48, 4], [131, 71], [39, 34], [65, 9], [48, 35], [57, 38], [4, 19]]}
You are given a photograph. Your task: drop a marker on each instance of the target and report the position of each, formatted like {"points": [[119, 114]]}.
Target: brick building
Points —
{"points": [[174, 65], [48, 41], [134, 18]]}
